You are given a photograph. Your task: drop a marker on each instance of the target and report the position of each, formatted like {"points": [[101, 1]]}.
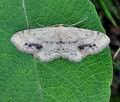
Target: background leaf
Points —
{"points": [[25, 79], [107, 11]]}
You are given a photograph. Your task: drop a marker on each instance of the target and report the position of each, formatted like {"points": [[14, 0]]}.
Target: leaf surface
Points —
{"points": [[25, 79]]}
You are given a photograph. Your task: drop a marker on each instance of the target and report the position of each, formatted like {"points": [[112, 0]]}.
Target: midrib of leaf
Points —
{"points": [[25, 12], [39, 84], [40, 89]]}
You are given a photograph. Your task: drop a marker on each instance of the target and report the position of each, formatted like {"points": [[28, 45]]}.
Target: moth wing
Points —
{"points": [[40, 42], [23, 40], [45, 56], [72, 55], [91, 42], [31, 40]]}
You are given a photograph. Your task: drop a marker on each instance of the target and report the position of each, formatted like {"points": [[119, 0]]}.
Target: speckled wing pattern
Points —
{"points": [[50, 43]]}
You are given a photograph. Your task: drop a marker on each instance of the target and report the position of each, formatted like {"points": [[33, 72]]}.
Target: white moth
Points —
{"points": [[50, 43]]}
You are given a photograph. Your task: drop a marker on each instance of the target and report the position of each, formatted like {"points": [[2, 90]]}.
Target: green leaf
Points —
{"points": [[25, 79]]}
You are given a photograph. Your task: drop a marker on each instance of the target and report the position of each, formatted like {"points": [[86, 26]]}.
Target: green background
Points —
{"points": [[25, 79]]}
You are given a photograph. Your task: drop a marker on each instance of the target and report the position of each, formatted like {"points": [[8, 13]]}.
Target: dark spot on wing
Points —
{"points": [[26, 43], [61, 41], [82, 47], [90, 46], [98, 33], [34, 44], [38, 47], [30, 45]]}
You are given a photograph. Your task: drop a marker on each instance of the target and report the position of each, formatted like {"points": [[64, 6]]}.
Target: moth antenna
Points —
{"points": [[72, 25], [41, 25]]}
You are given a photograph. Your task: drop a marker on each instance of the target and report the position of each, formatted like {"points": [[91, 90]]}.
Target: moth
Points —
{"points": [[51, 43]]}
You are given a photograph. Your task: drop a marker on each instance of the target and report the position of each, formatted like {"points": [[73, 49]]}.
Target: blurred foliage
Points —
{"points": [[111, 9], [116, 65], [115, 99]]}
